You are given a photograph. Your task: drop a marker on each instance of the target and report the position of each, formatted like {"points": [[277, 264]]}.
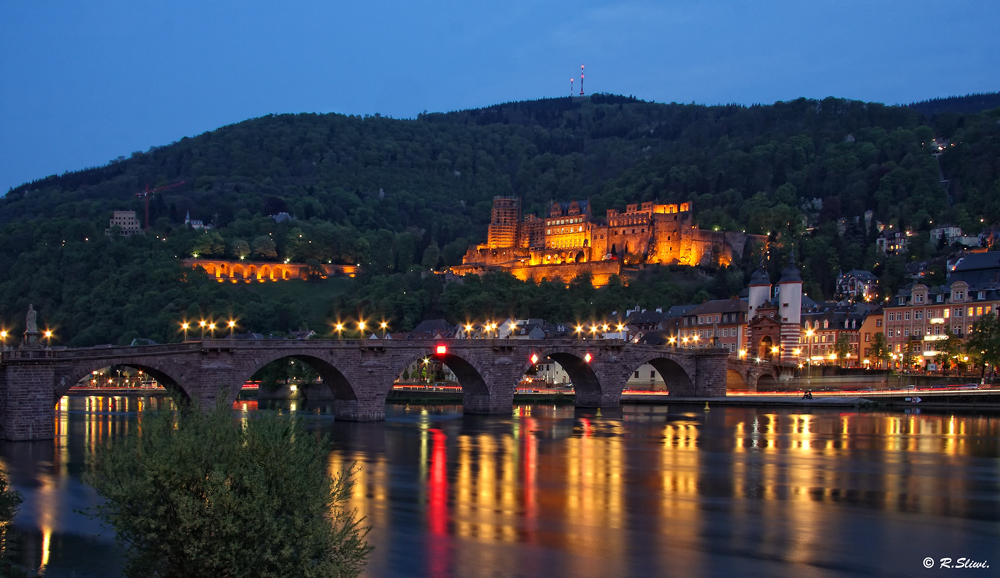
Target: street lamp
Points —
{"points": [[201, 324], [184, 326], [232, 326], [361, 329], [3, 339], [48, 337], [340, 330], [384, 326], [468, 331], [211, 329]]}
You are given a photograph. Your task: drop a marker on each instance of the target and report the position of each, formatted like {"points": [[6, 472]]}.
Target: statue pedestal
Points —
{"points": [[31, 340]]}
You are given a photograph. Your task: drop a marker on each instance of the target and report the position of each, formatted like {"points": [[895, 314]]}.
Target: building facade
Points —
{"points": [[127, 223]]}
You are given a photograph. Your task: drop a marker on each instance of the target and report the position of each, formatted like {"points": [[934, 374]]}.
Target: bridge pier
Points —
{"points": [[488, 403], [603, 398], [371, 408], [27, 401]]}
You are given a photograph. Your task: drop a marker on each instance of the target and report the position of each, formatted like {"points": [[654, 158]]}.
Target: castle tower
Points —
{"points": [[760, 290], [504, 223], [790, 310]]}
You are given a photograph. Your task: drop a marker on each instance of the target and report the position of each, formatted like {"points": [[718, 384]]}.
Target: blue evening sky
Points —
{"points": [[84, 82]]}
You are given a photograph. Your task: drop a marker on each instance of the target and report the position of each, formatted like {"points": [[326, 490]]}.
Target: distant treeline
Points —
{"points": [[968, 104]]}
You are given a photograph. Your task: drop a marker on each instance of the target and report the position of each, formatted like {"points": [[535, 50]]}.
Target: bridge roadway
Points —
{"points": [[359, 372]]}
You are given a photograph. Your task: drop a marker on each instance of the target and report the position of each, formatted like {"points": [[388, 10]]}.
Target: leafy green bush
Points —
{"points": [[196, 495]]}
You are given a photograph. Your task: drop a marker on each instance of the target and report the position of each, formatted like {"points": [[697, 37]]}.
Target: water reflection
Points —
{"points": [[553, 491]]}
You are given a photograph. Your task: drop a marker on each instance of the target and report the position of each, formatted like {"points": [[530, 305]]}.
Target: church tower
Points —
{"points": [[790, 310]]}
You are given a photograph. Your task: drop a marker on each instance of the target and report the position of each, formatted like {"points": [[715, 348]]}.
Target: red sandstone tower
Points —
{"points": [[504, 223]]}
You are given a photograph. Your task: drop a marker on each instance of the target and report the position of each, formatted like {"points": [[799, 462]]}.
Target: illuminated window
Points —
{"points": [[979, 310], [971, 310]]}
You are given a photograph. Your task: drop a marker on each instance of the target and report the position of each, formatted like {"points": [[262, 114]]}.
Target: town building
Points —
{"points": [[946, 234], [825, 324], [194, 223], [892, 242], [857, 284], [916, 319], [719, 323], [570, 241], [127, 223]]}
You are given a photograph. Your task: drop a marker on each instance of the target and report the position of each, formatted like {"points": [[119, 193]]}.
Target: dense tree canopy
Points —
{"points": [[401, 196]]}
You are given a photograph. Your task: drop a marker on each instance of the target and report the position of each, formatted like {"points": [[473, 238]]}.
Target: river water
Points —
{"points": [[553, 491]]}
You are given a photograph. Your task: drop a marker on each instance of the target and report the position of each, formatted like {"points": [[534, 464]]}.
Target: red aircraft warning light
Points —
{"points": [[441, 349]]}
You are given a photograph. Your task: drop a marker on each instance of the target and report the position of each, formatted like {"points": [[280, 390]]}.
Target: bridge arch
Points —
{"points": [[586, 383], [477, 395], [676, 379], [340, 386], [735, 380], [163, 375]]}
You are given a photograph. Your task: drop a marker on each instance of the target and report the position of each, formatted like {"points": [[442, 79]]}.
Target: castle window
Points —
{"points": [[643, 230]]}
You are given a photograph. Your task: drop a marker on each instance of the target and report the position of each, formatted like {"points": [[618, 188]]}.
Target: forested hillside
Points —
{"points": [[400, 196]]}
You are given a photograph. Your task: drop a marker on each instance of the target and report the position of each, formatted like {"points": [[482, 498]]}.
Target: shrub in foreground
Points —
{"points": [[196, 494]]}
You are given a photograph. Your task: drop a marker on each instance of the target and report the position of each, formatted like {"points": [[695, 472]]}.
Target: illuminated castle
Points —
{"points": [[570, 241]]}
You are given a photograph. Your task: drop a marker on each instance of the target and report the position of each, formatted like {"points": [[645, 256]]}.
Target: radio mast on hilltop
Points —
{"points": [[581, 80], [571, 86]]}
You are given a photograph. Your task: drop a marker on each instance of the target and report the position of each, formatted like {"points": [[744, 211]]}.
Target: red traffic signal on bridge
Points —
{"points": [[441, 349], [534, 358], [587, 357]]}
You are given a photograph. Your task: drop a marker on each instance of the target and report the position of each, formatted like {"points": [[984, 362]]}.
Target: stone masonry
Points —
{"points": [[360, 374]]}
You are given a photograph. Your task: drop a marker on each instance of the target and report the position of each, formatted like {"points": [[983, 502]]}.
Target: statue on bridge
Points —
{"points": [[30, 325], [30, 328]]}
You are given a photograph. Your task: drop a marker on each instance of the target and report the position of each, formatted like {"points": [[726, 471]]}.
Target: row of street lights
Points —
{"points": [[210, 326], [48, 334]]}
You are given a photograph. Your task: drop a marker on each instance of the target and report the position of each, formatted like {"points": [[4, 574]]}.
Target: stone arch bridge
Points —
{"points": [[360, 373]]}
